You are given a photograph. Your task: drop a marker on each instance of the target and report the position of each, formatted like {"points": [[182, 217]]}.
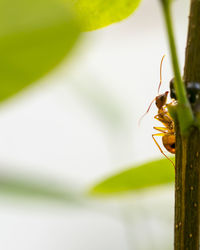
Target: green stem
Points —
{"points": [[184, 110]]}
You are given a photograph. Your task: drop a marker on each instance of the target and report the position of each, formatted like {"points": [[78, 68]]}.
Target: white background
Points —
{"points": [[79, 125]]}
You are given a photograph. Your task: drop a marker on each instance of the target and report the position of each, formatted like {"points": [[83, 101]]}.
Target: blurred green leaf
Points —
{"points": [[99, 13], [151, 174], [35, 35], [43, 190]]}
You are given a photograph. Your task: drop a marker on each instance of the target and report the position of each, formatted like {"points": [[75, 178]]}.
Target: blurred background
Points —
{"points": [[81, 125]]}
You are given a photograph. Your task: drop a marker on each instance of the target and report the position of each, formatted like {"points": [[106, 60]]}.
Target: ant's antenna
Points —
{"points": [[146, 111], [160, 73], [158, 90]]}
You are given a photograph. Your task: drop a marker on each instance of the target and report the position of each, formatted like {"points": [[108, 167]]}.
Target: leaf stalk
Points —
{"points": [[184, 111]]}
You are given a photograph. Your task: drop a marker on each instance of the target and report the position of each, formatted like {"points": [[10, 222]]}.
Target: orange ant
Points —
{"points": [[168, 131]]}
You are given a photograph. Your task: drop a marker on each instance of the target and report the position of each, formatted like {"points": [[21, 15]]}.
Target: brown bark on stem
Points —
{"points": [[187, 183], [192, 55]]}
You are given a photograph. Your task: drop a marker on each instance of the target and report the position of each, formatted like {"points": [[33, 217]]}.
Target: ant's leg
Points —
{"points": [[161, 134], [161, 129], [164, 119], [173, 102]]}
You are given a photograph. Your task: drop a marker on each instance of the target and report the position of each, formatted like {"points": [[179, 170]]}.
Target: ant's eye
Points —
{"points": [[162, 98]]}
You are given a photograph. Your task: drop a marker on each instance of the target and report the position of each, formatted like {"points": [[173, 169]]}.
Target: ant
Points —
{"points": [[168, 131]]}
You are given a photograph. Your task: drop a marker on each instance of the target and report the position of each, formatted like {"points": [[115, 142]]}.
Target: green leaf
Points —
{"points": [[151, 174], [35, 35], [26, 188], [96, 14]]}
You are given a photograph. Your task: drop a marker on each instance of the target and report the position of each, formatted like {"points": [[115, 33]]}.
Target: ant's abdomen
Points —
{"points": [[169, 143]]}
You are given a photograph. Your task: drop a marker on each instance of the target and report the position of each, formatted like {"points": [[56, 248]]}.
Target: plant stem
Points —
{"points": [[192, 62], [187, 183], [187, 191], [184, 110]]}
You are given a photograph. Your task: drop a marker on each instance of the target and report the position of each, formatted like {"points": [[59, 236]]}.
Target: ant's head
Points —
{"points": [[161, 100]]}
